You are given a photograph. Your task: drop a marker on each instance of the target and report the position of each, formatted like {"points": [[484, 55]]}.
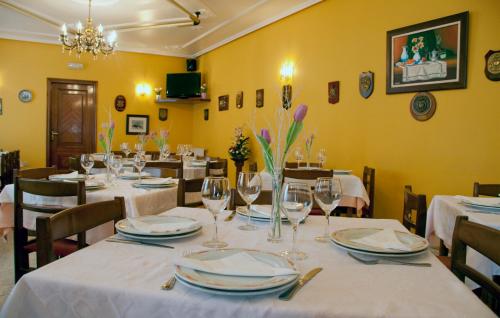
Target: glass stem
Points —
{"points": [[327, 226], [140, 179], [249, 214], [294, 240], [215, 238]]}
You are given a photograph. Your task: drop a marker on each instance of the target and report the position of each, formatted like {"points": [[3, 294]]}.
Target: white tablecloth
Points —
{"points": [[425, 71], [122, 280], [137, 202], [441, 217]]}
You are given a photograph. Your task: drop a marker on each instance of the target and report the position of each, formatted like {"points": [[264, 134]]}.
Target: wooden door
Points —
{"points": [[71, 120]]}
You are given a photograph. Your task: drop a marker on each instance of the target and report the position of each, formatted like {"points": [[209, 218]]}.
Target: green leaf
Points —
{"points": [[267, 152], [293, 133]]}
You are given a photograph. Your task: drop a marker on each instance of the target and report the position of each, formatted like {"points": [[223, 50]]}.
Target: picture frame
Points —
{"points": [[1, 107], [205, 114], [333, 92], [137, 124], [163, 114], [223, 103], [239, 100], [428, 56], [259, 98]]}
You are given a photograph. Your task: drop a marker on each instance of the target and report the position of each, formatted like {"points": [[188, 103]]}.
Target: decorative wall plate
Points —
{"points": [[492, 67], [25, 96], [163, 114], [120, 103], [259, 98], [366, 83], [423, 106], [333, 92]]}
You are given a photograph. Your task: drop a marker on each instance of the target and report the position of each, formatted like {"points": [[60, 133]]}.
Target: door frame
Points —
{"points": [[51, 81]]}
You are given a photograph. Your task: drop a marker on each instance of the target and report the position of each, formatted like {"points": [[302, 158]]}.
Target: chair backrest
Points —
{"points": [[73, 221], [155, 155], [414, 211], [188, 186], [486, 241], [252, 167], [9, 163], [164, 172], [74, 164], [308, 176], [265, 198], [217, 168], [171, 165], [490, 190], [369, 184], [295, 165]]}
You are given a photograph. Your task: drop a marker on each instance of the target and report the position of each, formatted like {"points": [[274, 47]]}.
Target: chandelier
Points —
{"points": [[88, 39]]}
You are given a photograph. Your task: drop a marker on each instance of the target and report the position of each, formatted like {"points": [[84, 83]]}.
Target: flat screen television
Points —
{"points": [[183, 85]]}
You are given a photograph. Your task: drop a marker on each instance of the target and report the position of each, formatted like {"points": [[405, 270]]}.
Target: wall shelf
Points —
{"points": [[193, 100]]}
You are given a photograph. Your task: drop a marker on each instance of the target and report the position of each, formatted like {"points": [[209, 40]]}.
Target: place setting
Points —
{"points": [[155, 183], [480, 205]]}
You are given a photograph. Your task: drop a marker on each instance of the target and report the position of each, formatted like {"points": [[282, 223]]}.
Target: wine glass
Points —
{"points": [[116, 165], [125, 149], [164, 152], [296, 201], [139, 149], [87, 162], [179, 150], [215, 194], [322, 157], [249, 185], [327, 192], [299, 156], [139, 164]]}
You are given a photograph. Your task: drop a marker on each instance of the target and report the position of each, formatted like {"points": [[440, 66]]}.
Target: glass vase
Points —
{"points": [[108, 167], [274, 235]]}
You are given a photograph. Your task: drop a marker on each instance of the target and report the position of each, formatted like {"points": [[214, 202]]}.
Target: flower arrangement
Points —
{"points": [[417, 44], [277, 159], [106, 137], [239, 150], [160, 139], [143, 139]]}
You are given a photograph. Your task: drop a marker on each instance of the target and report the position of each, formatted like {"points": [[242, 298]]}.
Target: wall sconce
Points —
{"points": [[286, 73], [143, 89]]}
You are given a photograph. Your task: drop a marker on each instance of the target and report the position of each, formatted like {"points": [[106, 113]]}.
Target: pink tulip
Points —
{"points": [[164, 133], [112, 125], [265, 134], [101, 137], [300, 113]]}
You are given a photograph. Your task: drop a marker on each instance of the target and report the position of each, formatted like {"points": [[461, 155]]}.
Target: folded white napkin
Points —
{"points": [[134, 174], [493, 202], [145, 227], [160, 181], [264, 210], [386, 239], [238, 264], [70, 175]]}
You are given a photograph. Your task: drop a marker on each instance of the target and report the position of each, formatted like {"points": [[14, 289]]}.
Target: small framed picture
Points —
{"points": [[333, 92], [1, 106], [223, 102], [137, 125], [259, 98], [205, 114], [239, 100]]}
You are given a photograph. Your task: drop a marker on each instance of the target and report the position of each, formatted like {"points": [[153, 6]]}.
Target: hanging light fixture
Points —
{"points": [[88, 39]]}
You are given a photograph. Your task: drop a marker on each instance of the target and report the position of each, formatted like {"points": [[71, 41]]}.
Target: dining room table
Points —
{"points": [[138, 201], [441, 216], [111, 279]]}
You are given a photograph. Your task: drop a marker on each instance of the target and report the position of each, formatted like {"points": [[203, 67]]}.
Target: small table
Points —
{"points": [[441, 217]]}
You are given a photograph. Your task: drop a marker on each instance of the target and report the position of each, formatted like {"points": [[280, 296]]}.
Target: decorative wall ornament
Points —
{"points": [[163, 114], [428, 56], [259, 98], [423, 106], [137, 124], [366, 83], [223, 102], [239, 99], [25, 96], [120, 103], [205, 114], [333, 92], [492, 67]]}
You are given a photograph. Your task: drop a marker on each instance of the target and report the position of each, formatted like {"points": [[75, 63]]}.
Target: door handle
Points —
{"points": [[53, 135]]}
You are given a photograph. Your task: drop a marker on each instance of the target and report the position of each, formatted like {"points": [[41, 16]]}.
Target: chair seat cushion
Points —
{"points": [[62, 247], [446, 260]]}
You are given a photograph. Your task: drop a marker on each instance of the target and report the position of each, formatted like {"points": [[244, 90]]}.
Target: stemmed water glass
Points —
{"points": [[249, 185], [164, 152], [139, 149], [116, 165], [299, 156], [87, 162], [215, 194], [125, 149], [296, 200], [139, 164], [322, 157], [327, 192]]}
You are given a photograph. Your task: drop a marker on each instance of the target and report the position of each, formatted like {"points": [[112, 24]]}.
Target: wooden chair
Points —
{"points": [[307, 175], [38, 186], [74, 164], [177, 166], [294, 165], [414, 203], [486, 241], [265, 198], [10, 162], [77, 220], [163, 172], [217, 168], [369, 184], [490, 190], [192, 187], [252, 167]]}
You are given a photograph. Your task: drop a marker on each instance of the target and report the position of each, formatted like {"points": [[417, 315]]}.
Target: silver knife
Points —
{"points": [[116, 240], [287, 295]]}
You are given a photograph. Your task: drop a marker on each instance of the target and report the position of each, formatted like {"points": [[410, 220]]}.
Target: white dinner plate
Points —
{"points": [[236, 283], [378, 255], [135, 175], [124, 226], [242, 210], [58, 177], [482, 207], [144, 238], [246, 293], [344, 238], [339, 171], [152, 185]]}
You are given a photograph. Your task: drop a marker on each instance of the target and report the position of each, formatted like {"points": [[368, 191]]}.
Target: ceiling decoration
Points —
{"points": [[186, 28]]}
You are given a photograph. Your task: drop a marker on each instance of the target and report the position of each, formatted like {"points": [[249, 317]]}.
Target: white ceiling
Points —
{"points": [[221, 21]]}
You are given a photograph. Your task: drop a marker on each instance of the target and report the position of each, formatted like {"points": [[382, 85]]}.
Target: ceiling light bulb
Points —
{"points": [[112, 37], [100, 28], [64, 29], [79, 26]]}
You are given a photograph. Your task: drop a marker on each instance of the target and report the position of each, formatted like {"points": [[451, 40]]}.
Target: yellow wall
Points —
{"points": [[338, 39], [25, 65]]}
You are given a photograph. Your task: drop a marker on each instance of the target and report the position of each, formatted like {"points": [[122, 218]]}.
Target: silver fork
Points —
{"points": [[170, 283], [378, 261]]}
